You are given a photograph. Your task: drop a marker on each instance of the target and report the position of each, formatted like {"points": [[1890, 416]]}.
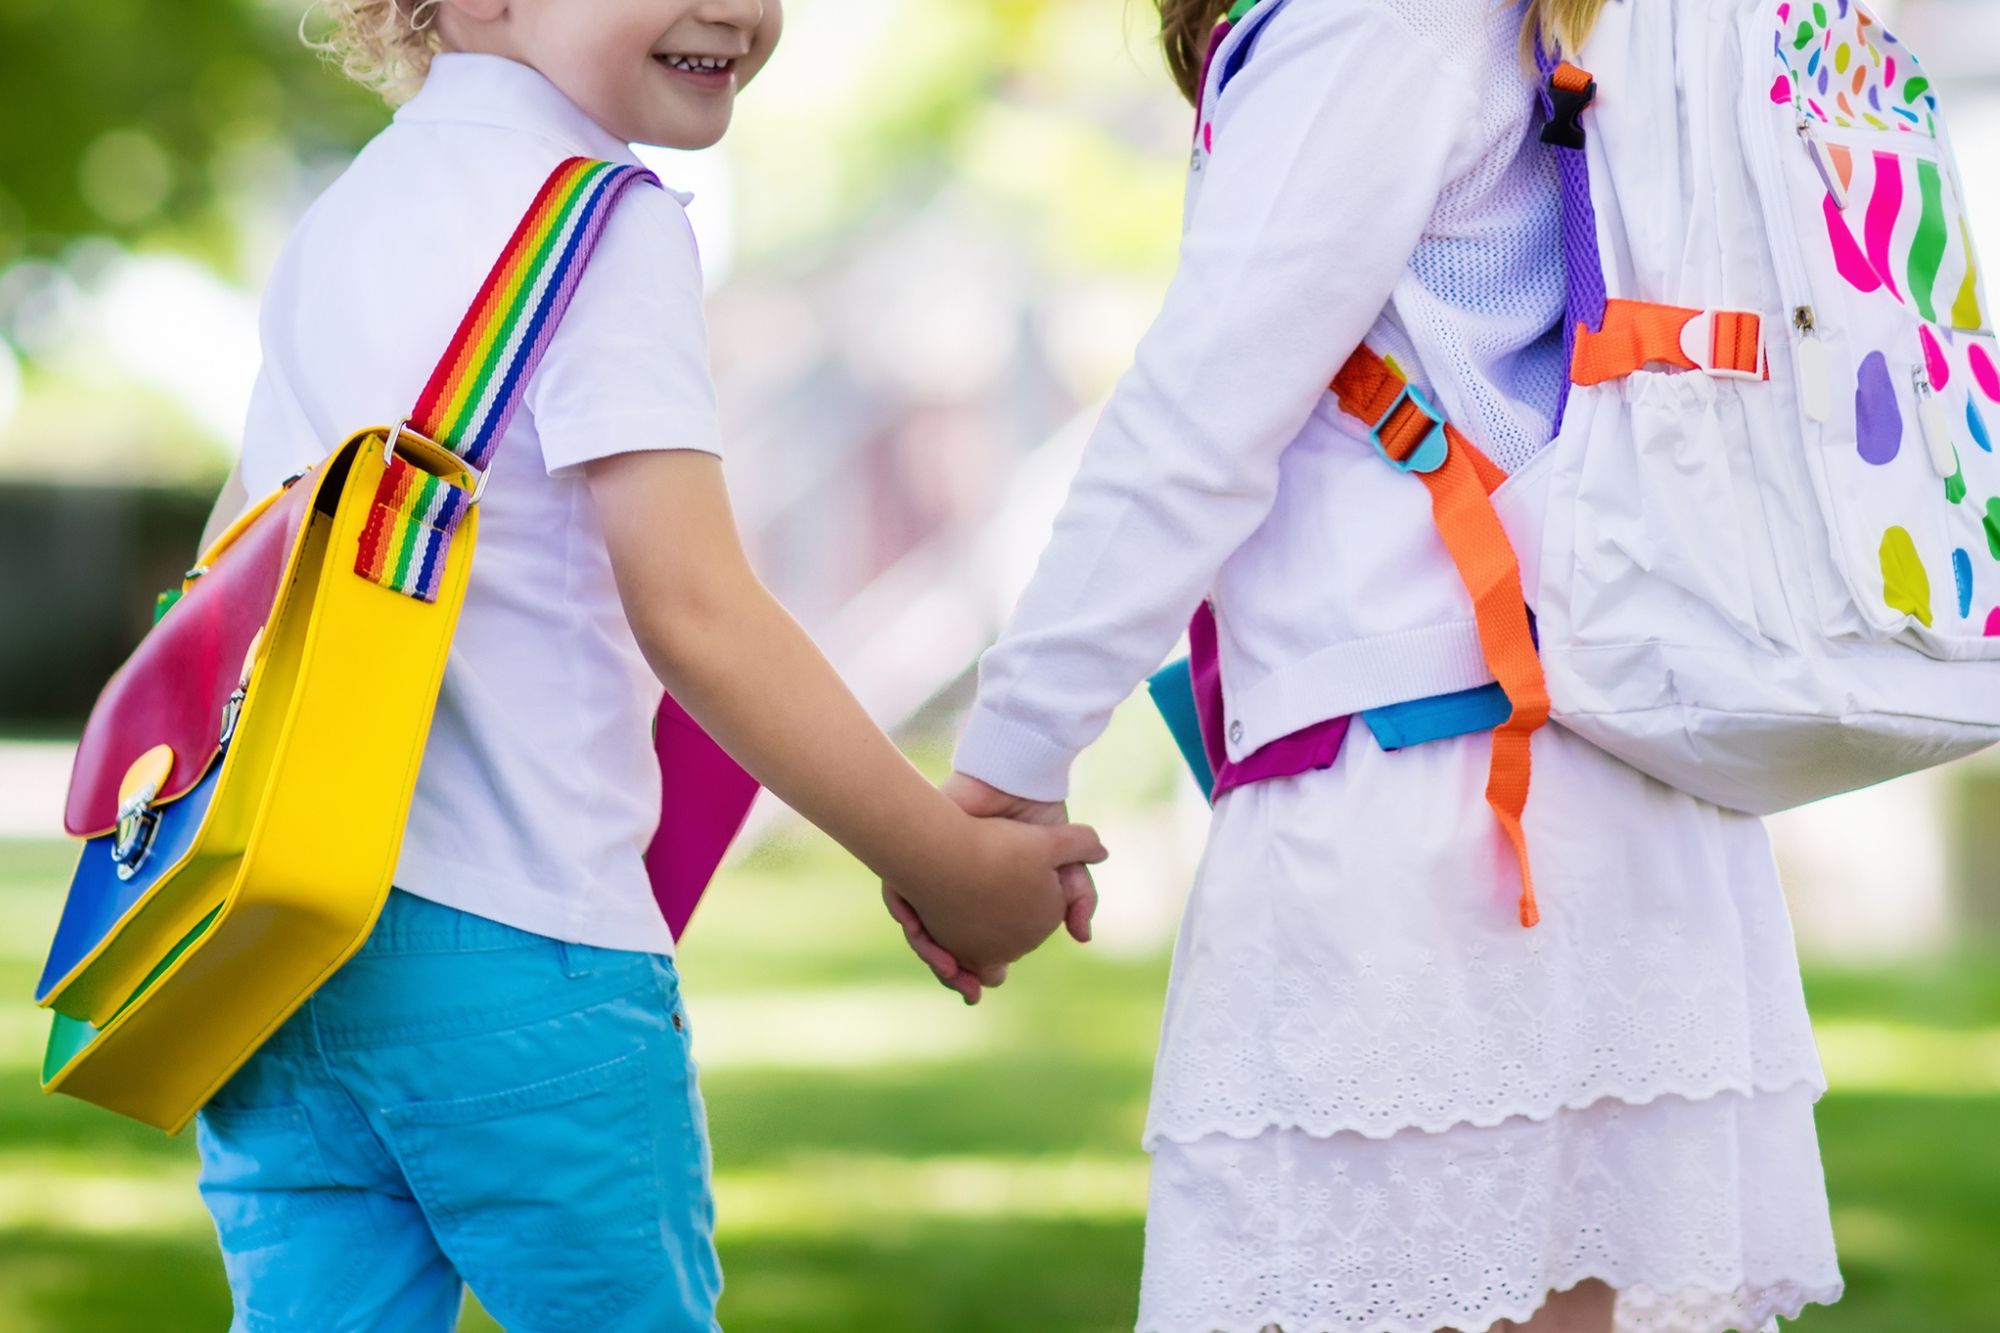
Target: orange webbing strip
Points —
{"points": [[1463, 509], [1570, 79], [1737, 342], [1490, 475], [1635, 335]]}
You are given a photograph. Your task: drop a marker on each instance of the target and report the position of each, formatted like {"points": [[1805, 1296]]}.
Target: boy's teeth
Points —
{"points": [[697, 64]]}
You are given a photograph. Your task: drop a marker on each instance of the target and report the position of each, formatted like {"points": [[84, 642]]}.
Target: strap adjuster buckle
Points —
{"points": [[1570, 93], [1429, 452], [1727, 344], [479, 477]]}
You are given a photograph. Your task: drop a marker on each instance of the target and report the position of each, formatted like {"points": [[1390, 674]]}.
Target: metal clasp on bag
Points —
{"points": [[138, 822], [479, 479], [232, 711]]}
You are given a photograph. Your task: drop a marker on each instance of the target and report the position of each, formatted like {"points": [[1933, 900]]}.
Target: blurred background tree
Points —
{"points": [[164, 125], [937, 220], [149, 123]]}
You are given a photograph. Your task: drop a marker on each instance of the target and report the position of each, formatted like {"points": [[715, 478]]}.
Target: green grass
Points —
{"points": [[889, 1161]]}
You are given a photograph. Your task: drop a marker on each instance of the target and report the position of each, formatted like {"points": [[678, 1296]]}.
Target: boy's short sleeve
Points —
{"points": [[628, 368]]}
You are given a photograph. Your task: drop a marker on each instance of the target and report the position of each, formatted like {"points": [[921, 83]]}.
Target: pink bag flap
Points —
{"points": [[705, 797], [174, 688]]}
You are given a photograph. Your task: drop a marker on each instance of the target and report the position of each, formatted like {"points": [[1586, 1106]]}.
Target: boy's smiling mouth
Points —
{"points": [[714, 66]]}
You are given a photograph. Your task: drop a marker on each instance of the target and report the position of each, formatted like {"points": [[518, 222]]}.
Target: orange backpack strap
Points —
{"points": [[1415, 438]]}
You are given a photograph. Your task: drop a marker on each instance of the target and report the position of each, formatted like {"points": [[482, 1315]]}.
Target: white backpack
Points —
{"points": [[1772, 574]]}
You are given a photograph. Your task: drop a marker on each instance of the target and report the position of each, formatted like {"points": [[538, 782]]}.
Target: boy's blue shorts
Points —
{"points": [[467, 1103]]}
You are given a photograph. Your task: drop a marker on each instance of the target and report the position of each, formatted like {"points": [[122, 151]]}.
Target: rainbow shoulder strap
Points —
{"points": [[479, 381]]}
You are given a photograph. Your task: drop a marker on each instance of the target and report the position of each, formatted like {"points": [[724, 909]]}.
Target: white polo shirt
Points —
{"points": [[539, 792]]}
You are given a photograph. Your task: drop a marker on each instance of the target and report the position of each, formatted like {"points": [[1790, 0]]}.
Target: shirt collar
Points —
{"points": [[477, 89]]}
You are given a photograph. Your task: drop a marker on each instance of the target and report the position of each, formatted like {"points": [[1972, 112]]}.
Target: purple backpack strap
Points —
{"points": [[1582, 262], [1315, 747]]}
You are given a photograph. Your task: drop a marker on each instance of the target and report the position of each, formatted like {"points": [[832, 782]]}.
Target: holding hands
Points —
{"points": [[1022, 870], [977, 877]]}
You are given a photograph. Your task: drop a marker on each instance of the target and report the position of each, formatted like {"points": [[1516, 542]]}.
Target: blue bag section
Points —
{"points": [[1172, 688], [1396, 727], [99, 899], [1399, 726]]}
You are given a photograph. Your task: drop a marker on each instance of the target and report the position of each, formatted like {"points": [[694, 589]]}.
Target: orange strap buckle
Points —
{"points": [[1414, 436], [1728, 344]]}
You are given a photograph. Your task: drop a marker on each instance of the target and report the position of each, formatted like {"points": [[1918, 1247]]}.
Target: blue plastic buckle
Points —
{"points": [[1426, 457]]}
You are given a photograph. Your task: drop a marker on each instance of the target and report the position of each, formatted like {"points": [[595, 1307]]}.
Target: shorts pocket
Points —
{"points": [[259, 1169], [288, 1231], [546, 1197]]}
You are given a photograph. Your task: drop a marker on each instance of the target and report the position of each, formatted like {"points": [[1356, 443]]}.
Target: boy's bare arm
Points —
{"points": [[748, 673]]}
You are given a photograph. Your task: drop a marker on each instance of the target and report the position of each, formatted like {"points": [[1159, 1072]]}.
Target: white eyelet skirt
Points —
{"points": [[1381, 1106]]}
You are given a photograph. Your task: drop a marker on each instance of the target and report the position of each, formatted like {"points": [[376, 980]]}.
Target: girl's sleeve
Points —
{"points": [[1330, 150], [628, 370]]}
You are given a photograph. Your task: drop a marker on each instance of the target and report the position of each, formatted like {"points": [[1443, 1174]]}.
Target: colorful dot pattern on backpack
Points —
{"points": [[1984, 371], [1878, 418], [1844, 68], [1956, 366], [1903, 293], [1898, 234], [1906, 585]]}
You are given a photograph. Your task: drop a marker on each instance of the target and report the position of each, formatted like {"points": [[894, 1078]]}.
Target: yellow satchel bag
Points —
{"points": [[243, 782]]}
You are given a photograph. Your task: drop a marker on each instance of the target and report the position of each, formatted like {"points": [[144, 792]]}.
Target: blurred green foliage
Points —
{"points": [[140, 120], [888, 1162], [159, 123], [1056, 113]]}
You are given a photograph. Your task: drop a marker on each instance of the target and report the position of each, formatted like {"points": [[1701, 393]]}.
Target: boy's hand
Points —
{"points": [[757, 683], [988, 802], [995, 895], [1079, 893]]}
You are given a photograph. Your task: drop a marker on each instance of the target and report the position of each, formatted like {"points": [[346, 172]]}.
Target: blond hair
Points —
{"points": [[385, 45], [1185, 26], [1561, 25]]}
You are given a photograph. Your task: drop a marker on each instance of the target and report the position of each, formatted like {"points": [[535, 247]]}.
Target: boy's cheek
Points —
{"points": [[766, 39]]}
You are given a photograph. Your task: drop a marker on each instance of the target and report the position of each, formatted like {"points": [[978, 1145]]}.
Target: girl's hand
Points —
{"points": [[1079, 892], [997, 895], [988, 802]]}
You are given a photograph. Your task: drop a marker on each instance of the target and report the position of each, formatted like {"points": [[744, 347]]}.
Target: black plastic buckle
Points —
{"points": [[1566, 108]]}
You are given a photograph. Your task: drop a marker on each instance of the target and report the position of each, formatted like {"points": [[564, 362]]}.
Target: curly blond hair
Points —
{"points": [[385, 45]]}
